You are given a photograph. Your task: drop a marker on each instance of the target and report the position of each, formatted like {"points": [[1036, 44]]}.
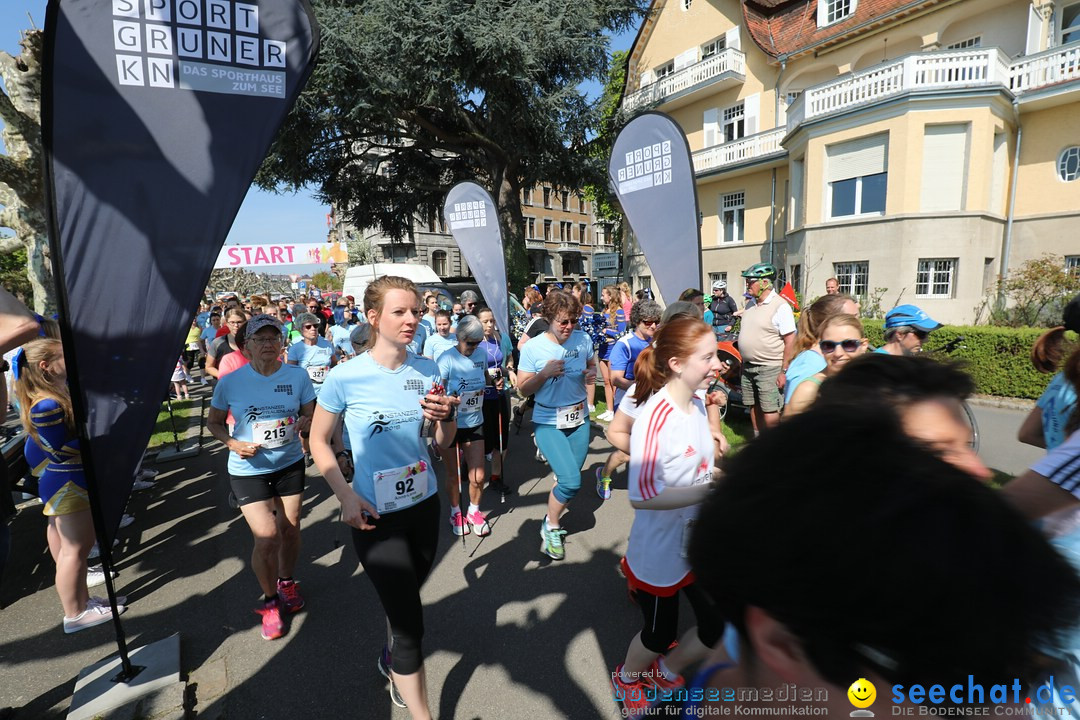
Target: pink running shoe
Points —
{"points": [[289, 595], [458, 524], [272, 626], [479, 524]]}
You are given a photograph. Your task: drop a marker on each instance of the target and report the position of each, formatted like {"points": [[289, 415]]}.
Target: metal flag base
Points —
{"points": [[98, 691], [189, 448]]}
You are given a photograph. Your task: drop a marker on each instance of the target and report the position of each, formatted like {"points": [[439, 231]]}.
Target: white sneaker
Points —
{"points": [[91, 616], [96, 576], [141, 485], [540, 456], [126, 520], [592, 409]]}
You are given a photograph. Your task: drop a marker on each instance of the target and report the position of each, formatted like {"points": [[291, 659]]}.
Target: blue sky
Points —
{"points": [[264, 217]]}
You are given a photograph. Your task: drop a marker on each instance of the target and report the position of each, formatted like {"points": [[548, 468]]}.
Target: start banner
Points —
{"points": [[268, 255]]}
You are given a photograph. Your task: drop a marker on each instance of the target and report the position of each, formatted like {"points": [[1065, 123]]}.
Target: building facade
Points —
{"points": [[914, 149], [561, 235]]}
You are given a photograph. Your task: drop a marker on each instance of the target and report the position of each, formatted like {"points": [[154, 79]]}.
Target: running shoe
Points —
{"points": [[662, 684], [553, 541], [289, 596], [384, 668], [540, 456], [95, 575], [603, 485], [458, 524], [385, 662], [88, 618], [632, 697], [606, 416], [272, 626], [499, 486], [479, 524]]}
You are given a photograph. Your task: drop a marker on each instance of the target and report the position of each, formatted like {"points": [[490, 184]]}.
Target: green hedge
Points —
{"points": [[999, 358]]}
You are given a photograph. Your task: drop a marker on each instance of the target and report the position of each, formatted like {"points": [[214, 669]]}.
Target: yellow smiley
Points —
{"points": [[862, 693]]}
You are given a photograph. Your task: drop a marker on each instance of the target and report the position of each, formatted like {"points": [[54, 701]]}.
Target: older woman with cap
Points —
{"points": [[271, 402]]}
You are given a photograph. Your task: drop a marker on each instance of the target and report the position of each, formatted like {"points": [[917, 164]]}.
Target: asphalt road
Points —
{"points": [[998, 446]]}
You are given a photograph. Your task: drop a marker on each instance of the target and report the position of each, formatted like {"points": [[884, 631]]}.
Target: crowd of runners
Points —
{"points": [[854, 537]]}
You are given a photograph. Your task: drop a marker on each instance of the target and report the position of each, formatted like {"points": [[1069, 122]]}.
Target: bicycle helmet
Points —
{"points": [[719, 285], [760, 270]]}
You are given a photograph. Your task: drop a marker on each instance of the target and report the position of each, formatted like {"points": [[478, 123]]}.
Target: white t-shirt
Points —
{"points": [[1061, 465], [629, 407], [668, 448]]}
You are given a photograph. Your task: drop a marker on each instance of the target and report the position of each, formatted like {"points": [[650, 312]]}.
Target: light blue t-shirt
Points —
{"points": [[429, 320], [314, 359], [1057, 403], [557, 392], [384, 419], [464, 377], [266, 410], [623, 356], [806, 364], [340, 338], [208, 335], [419, 338], [436, 345]]}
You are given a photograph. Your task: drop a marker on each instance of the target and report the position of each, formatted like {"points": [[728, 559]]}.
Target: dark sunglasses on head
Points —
{"points": [[829, 346]]}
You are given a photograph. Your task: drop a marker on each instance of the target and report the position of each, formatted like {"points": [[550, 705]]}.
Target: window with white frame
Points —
{"points": [[1069, 164], [644, 282], [438, 262], [526, 196], [852, 277], [547, 229], [972, 42], [547, 197], [583, 233], [830, 11], [1072, 265], [713, 47], [565, 229], [664, 70], [713, 277], [732, 217], [734, 122], [857, 177], [530, 228], [936, 278], [565, 201], [1070, 23]]}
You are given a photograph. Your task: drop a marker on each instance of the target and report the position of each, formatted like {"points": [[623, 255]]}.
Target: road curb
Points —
{"points": [[1001, 402]]}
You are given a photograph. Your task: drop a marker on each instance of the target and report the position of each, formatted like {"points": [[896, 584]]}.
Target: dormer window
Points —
{"points": [[831, 11]]}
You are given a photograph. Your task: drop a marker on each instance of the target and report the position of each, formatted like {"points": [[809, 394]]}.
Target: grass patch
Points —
{"points": [[186, 414], [737, 429]]}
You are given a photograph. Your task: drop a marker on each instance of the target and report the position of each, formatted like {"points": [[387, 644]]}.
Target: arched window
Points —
{"points": [[438, 262]]}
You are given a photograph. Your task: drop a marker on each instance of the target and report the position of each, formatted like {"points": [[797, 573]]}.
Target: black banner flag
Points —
{"points": [[155, 116], [652, 173]]}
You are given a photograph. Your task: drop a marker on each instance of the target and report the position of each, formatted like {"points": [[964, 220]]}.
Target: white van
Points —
{"points": [[358, 277]]}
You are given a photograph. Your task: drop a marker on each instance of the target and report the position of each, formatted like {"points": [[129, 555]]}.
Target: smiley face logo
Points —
{"points": [[862, 693]]}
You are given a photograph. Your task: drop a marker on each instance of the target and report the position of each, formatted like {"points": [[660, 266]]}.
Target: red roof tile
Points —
{"points": [[789, 27]]}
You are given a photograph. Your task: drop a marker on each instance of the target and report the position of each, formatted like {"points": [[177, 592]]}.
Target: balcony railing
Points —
{"points": [[569, 246], [728, 60], [534, 244], [981, 67], [1054, 66], [741, 150]]}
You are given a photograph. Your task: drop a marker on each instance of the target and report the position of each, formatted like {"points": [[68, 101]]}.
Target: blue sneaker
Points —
{"points": [[603, 485], [553, 541]]}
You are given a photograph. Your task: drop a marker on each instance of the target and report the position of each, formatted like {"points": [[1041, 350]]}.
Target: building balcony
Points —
{"points": [[535, 244], [568, 246], [753, 147], [936, 71], [721, 71]]}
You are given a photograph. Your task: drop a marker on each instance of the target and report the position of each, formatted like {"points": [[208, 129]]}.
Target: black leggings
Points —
{"points": [[660, 618], [397, 555]]}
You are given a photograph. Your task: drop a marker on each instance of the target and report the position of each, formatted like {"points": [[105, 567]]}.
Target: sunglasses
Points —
{"points": [[650, 323], [564, 323], [308, 327], [921, 334], [829, 346], [472, 343]]}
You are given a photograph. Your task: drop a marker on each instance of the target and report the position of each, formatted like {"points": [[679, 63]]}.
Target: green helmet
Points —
{"points": [[760, 270]]}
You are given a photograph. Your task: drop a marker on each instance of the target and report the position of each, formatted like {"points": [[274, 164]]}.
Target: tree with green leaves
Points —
{"points": [[410, 98], [612, 119], [22, 174]]}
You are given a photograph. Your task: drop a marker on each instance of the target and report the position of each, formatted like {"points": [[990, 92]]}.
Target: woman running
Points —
{"points": [[271, 402], [386, 394], [45, 410], [461, 369], [556, 367], [671, 470], [498, 352], [441, 340], [842, 339], [613, 330], [225, 344]]}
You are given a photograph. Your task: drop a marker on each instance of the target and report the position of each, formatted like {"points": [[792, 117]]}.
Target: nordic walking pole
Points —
{"points": [[502, 460], [458, 458]]}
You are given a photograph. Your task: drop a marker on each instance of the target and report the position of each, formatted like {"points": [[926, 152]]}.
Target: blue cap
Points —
{"points": [[910, 315]]}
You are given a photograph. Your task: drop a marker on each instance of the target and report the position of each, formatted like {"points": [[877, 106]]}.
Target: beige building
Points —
{"points": [[913, 150], [561, 236]]}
